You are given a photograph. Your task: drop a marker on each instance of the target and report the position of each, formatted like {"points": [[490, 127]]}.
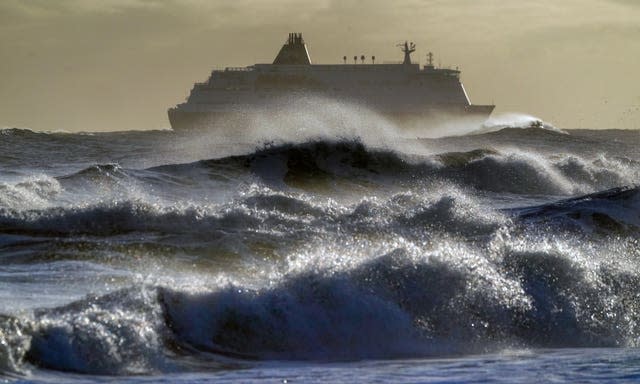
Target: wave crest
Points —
{"points": [[398, 299], [615, 211], [29, 193]]}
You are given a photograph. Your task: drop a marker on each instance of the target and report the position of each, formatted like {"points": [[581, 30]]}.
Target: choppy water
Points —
{"points": [[507, 256]]}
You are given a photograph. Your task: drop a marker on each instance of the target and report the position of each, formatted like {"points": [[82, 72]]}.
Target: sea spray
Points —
{"points": [[123, 255]]}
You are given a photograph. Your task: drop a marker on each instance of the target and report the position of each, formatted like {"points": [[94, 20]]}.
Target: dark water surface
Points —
{"points": [[509, 256]]}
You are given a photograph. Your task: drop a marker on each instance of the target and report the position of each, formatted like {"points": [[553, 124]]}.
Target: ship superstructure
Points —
{"points": [[402, 92]]}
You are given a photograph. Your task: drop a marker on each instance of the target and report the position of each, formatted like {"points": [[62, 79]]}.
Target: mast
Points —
{"points": [[429, 61], [408, 49]]}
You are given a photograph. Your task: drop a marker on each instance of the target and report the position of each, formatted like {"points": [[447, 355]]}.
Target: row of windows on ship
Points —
{"points": [[361, 83]]}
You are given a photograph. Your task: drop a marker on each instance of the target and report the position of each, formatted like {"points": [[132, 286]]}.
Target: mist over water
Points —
{"points": [[318, 239]]}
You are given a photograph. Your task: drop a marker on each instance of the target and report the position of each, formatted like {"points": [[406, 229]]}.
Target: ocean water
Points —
{"points": [[345, 256]]}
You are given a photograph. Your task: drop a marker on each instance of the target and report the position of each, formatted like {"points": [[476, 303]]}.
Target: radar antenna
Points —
{"points": [[408, 49]]}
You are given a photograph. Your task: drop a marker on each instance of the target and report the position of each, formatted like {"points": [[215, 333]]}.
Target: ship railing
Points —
{"points": [[363, 67], [334, 67], [239, 69]]}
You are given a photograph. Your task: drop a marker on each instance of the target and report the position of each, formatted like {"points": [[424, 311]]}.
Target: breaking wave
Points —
{"points": [[325, 250], [411, 290], [450, 210], [519, 172], [510, 121], [615, 211], [270, 184], [398, 299]]}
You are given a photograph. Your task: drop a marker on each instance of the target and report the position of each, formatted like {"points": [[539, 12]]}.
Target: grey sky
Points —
{"points": [[119, 64]]}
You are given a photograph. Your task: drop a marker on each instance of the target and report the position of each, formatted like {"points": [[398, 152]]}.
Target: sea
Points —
{"points": [[324, 248]]}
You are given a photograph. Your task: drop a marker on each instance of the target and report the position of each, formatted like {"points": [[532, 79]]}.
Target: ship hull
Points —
{"points": [[413, 123]]}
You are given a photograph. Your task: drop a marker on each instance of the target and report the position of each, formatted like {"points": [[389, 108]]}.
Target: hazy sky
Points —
{"points": [[119, 64]]}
